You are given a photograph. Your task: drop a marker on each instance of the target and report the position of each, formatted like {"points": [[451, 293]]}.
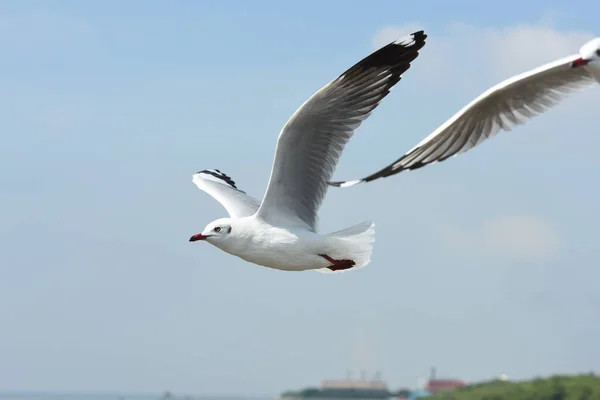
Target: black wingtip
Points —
{"points": [[397, 54], [218, 174], [417, 42]]}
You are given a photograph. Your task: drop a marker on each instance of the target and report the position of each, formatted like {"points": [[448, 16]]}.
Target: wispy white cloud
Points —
{"points": [[505, 238], [517, 48], [526, 238], [461, 50]]}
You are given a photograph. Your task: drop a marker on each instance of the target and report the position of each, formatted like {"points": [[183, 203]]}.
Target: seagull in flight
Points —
{"points": [[508, 104], [280, 232]]}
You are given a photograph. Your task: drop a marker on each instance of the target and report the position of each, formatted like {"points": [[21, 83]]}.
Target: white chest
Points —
{"points": [[280, 249]]}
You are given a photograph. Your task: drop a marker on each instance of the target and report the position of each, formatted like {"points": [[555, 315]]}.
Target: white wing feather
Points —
{"points": [[223, 189]]}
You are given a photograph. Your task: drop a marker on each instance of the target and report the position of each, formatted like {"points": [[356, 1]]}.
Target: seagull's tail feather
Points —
{"points": [[354, 243]]}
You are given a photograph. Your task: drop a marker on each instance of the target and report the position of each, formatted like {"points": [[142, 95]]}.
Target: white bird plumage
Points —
{"points": [[280, 232], [504, 106]]}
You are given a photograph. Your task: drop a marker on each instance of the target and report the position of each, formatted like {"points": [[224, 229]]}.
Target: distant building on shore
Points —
{"points": [[435, 385]]}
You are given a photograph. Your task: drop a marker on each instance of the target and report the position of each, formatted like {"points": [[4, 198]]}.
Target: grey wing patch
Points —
{"points": [[312, 141]]}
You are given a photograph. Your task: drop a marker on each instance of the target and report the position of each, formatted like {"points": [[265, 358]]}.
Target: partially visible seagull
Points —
{"points": [[508, 104], [280, 232]]}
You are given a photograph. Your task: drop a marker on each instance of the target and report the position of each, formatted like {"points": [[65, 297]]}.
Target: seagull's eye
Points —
{"points": [[598, 52], [218, 229]]}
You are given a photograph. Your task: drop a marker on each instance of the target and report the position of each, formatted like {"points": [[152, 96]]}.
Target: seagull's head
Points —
{"points": [[217, 232], [589, 52]]}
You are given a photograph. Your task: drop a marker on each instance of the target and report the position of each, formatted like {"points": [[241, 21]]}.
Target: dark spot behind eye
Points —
{"points": [[229, 230]]}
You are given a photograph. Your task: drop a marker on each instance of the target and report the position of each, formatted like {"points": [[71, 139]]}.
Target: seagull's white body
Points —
{"points": [[504, 106], [280, 232], [293, 249]]}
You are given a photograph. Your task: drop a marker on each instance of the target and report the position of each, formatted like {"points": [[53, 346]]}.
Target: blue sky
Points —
{"points": [[483, 265]]}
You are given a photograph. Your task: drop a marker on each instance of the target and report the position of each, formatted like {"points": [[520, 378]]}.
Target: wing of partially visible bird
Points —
{"points": [[508, 104], [222, 188]]}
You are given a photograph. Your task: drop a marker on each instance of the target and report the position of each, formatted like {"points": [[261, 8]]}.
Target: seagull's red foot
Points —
{"points": [[338, 265]]}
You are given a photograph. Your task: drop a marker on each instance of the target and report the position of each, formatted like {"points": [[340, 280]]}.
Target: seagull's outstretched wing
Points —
{"points": [[503, 107], [223, 189], [311, 143]]}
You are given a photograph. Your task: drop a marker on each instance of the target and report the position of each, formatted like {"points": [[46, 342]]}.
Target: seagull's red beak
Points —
{"points": [[197, 237], [580, 62]]}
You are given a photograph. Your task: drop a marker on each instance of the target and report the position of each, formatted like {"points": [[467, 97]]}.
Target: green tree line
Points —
{"points": [[558, 387]]}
